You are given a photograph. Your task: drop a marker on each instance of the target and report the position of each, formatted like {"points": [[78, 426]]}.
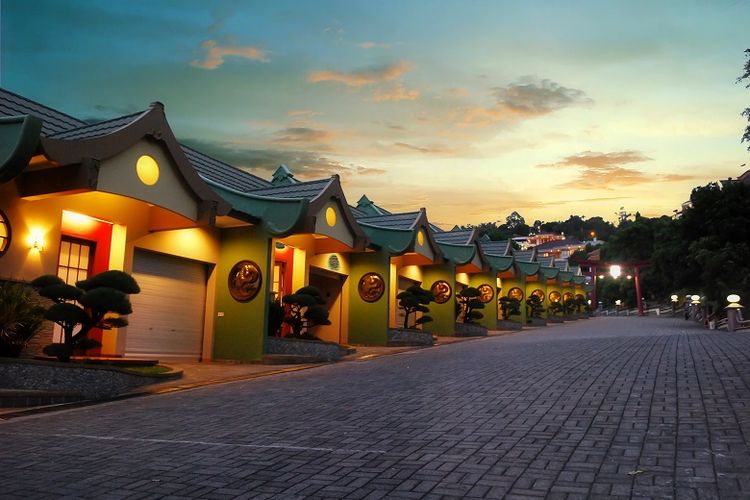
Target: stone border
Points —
{"points": [[90, 381], [321, 350], [470, 330], [506, 324], [409, 337]]}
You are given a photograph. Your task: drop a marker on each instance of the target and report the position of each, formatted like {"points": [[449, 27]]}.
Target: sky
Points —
{"points": [[471, 109]]}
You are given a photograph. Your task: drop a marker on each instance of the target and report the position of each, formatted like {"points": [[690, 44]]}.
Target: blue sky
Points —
{"points": [[471, 109]]}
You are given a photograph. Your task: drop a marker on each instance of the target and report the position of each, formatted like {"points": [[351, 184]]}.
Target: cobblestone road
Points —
{"points": [[608, 407]]}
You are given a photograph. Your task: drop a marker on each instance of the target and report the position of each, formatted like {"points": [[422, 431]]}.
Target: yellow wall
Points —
{"points": [[131, 221]]}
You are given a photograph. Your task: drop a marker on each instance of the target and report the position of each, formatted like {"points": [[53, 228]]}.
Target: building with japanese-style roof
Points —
{"points": [[402, 253], [122, 194], [213, 246], [207, 242]]}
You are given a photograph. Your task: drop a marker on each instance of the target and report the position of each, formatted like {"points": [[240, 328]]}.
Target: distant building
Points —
{"points": [[560, 248]]}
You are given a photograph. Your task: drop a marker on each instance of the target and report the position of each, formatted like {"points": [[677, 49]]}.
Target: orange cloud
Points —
{"points": [[303, 135], [606, 170], [371, 45], [424, 149], [397, 92], [362, 77], [216, 53]]}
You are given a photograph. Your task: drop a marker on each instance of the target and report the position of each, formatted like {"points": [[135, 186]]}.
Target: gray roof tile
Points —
{"points": [[53, 121], [524, 255], [390, 221], [462, 237], [97, 129], [223, 173], [307, 190], [496, 248]]}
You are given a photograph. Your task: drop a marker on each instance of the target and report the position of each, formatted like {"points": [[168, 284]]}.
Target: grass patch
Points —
{"points": [[149, 370]]}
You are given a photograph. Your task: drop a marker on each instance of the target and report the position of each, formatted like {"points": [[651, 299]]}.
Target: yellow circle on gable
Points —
{"points": [[330, 216], [420, 237], [147, 170]]}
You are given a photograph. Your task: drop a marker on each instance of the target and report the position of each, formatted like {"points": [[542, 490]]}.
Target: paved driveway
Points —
{"points": [[609, 407]]}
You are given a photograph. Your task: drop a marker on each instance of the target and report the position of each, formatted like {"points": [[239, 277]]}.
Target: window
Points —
{"points": [[74, 264], [278, 288], [76, 257], [4, 233]]}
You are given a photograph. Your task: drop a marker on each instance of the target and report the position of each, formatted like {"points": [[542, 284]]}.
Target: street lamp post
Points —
{"points": [[733, 312], [674, 305]]}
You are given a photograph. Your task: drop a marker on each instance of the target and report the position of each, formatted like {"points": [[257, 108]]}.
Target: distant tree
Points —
{"points": [[98, 302], [745, 76], [413, 300]]}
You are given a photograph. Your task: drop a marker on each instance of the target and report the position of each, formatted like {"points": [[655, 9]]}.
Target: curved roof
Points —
{"points": [[19, 138], [397, 233]]}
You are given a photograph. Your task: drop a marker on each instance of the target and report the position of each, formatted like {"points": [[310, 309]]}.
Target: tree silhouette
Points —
{"points": [[97, 302], [413, 300]]}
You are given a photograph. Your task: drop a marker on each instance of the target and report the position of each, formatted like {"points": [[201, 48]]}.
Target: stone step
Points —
{"points": [[23, 398]]}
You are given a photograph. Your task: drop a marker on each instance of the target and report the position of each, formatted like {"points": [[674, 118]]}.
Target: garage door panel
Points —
{"points": [[167, 319]]}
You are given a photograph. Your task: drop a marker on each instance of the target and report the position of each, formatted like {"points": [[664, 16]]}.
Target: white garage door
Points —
{"points": [[167, 318]]}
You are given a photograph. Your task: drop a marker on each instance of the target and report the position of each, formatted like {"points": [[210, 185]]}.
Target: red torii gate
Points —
{"points": [[636, 266]]}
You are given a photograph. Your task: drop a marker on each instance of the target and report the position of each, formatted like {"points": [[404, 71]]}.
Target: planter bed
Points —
{"points": [[555, 319], [469, 330], [537, 322], [310, 350], [89, 381], [398, 337], [506, 324]]}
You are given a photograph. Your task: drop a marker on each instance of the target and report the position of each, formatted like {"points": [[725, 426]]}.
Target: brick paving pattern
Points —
{"points": [[601, 408]]}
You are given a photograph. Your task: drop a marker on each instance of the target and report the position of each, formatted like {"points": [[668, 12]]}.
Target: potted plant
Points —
{"points": [[469, 301]]}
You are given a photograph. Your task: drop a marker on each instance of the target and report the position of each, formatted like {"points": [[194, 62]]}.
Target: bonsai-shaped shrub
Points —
{"points": [[534, 307], [275, 317], [413, 300], [21, 317], [509, 307], [555, 308], [581, 304], [97, 302], [470, 302], [569, 305], [306, 310]]}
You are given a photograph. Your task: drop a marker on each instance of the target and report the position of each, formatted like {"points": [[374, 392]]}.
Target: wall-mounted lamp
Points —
{"points": [[36, 242]]}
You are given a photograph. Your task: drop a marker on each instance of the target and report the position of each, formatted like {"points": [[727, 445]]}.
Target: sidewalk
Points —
{"points": [[199, 374]]}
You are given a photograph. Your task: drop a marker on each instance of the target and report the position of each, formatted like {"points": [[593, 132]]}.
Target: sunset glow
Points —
{"points": [[470, 109]]}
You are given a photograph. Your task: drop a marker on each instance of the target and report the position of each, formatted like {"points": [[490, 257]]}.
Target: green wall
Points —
{"points": [[368, 321], [507, 284], [489, 320], [241, 332], [443, 315]]}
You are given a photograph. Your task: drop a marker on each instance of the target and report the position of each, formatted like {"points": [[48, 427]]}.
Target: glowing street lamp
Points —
{"points": [[733, 312], [615, 271], [674, 304]]}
